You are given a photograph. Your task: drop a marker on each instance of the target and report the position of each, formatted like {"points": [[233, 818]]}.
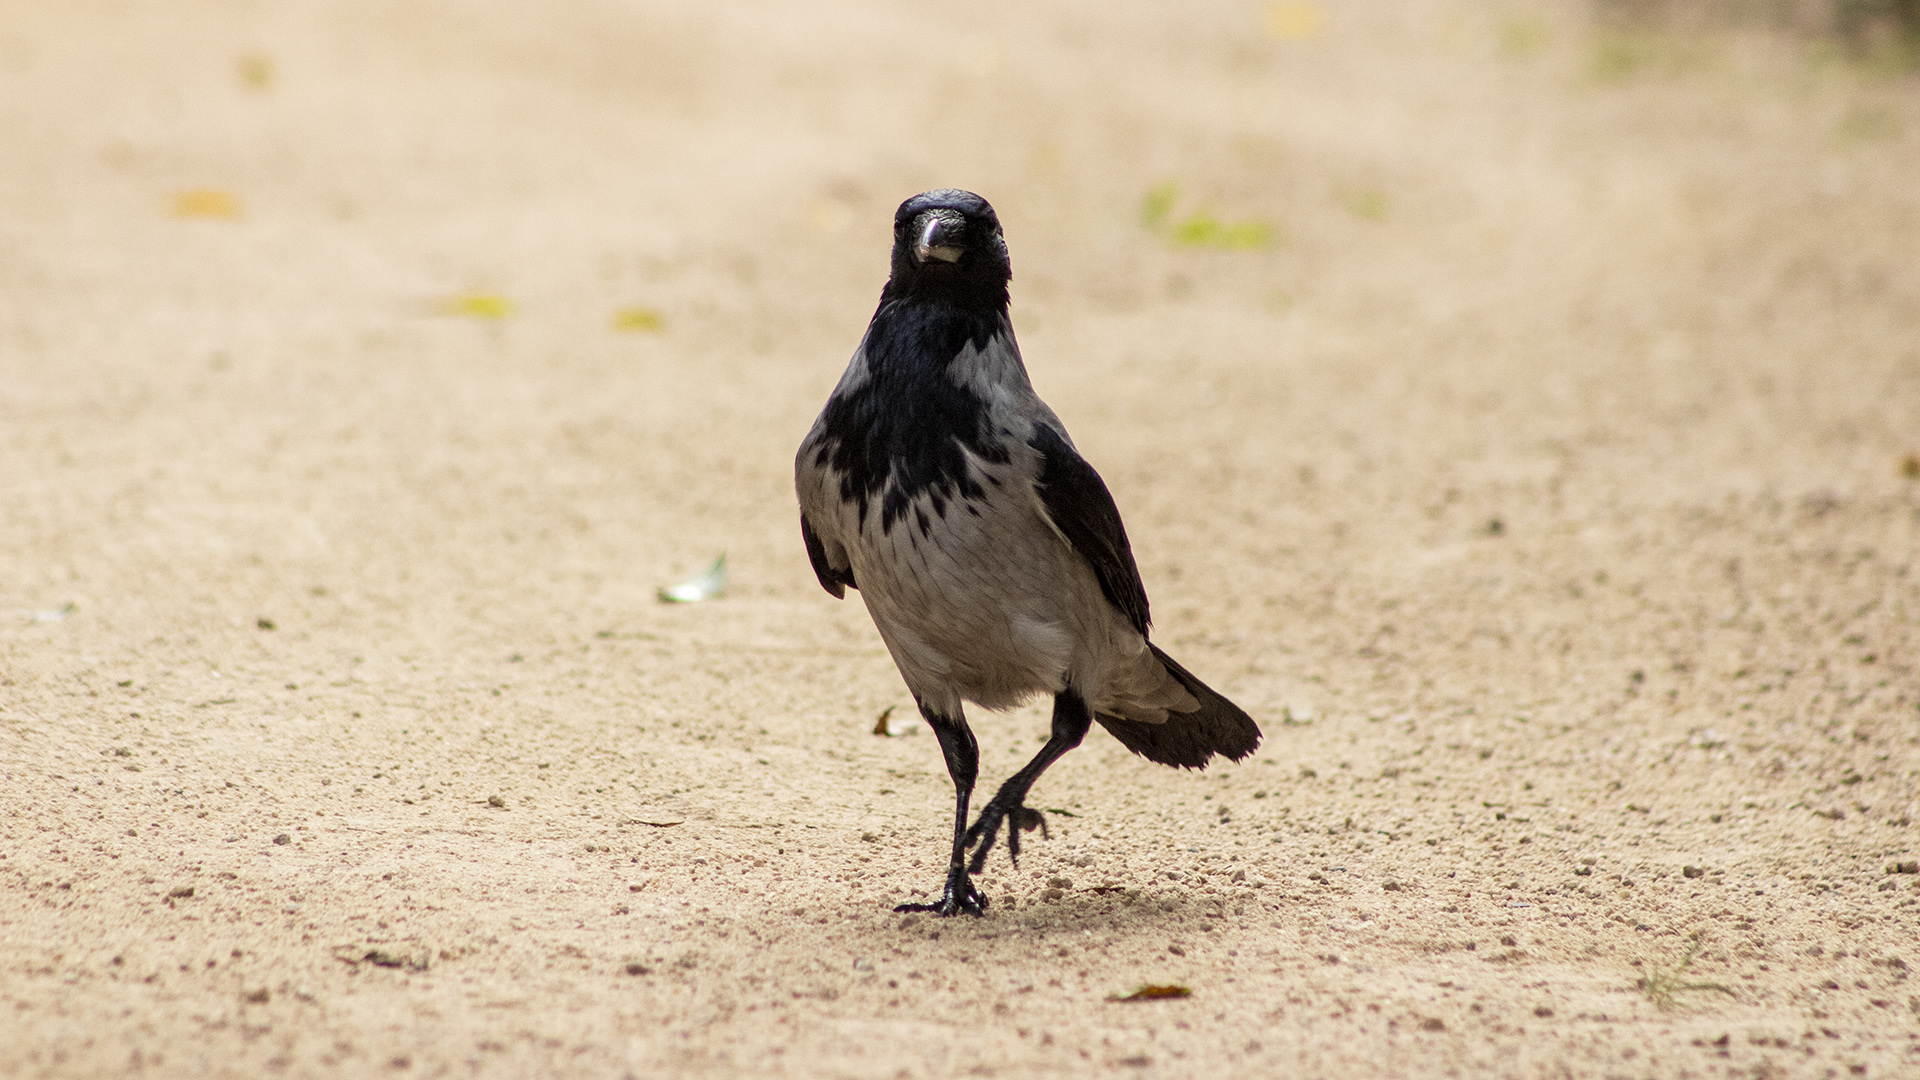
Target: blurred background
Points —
{"points": [[499, 311], [1515, 405]]}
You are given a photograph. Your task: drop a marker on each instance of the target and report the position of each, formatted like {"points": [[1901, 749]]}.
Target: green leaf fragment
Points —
{"points": [[480, 306], [1158, 203], [708, 585], [1202, 229], [1367, 203], [1522, 38], [639, 319]]}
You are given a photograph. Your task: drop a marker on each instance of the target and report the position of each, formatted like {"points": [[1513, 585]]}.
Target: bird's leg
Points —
{"points": [[963, 765], [1071, 719]]}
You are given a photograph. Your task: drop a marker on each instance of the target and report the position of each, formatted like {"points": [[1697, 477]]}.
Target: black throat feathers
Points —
{"points": [[906, 431]]}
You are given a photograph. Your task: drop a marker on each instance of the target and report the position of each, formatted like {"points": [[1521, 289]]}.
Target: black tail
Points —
{"points": [[1189, 739]]}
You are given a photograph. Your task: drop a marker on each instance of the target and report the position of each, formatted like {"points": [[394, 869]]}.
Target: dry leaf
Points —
{"points": [[1295, 20], [1155, 993], [206, 203], [645, 320], [479, 306], [256, 71]]}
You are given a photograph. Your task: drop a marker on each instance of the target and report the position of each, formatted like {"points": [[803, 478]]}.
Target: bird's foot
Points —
{"points": [[958, 897], [1022, 818]]}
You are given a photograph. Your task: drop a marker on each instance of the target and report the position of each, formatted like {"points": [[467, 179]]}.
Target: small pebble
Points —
{"points": [[283, 839], [495, 800]]}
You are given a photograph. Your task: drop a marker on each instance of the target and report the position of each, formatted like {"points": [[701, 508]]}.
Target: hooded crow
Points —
{"points": [[990, 554]]}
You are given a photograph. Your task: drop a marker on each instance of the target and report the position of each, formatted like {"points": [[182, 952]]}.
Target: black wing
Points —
{"points": [[834, 580], [1082, 509]]}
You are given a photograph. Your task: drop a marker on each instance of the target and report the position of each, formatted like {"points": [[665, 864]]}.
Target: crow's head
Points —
{"points": [[947, 246]]}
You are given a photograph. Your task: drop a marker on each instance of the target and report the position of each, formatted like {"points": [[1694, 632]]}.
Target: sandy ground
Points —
{"points": [[1538, 484]]}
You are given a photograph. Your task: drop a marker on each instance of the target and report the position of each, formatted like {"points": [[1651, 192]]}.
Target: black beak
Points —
{"points": [[937, 235]]}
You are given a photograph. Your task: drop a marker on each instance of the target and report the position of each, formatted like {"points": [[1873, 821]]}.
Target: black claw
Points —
{"points": [[985, 831], [1030, 819], [953, 901]]}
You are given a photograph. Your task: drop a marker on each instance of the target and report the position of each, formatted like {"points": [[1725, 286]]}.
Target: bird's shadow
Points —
{"points": [[1116, 911]]}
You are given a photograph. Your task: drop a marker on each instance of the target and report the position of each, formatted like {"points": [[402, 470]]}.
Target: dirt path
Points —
{"points": [[1512, 420]]}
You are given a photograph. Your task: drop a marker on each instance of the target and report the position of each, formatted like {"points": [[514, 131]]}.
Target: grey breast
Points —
{"points": [[988, 602]]}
